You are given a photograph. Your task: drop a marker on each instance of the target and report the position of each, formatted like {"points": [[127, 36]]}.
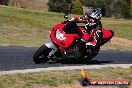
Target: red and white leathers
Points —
{"points": [[94, 28]]}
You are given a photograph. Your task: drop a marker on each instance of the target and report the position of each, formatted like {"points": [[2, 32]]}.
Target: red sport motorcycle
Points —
{"points": [[70, 44]]}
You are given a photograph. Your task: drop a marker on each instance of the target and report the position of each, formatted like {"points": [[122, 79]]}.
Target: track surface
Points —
{"points": [[19, 58]]}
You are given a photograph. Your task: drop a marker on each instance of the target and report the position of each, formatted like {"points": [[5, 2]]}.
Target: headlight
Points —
{"points": [[59, 35]]}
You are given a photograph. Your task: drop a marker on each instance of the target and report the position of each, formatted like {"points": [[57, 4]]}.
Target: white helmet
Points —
{"points": [[95, 14]]}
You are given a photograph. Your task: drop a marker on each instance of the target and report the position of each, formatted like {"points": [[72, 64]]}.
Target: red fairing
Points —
{"points": [[68, 37], [84, 33], [106, 33]]}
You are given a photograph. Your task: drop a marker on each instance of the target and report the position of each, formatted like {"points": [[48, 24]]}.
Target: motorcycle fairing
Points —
{"points": [[69, 38], [83, 33], [107, 33]]}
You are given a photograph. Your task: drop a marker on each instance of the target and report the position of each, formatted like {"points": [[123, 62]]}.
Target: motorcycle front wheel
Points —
{"points": [[41, 55]]}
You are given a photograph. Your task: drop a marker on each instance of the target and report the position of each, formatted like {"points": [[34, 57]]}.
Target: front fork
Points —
{"points": [[52, 46]]}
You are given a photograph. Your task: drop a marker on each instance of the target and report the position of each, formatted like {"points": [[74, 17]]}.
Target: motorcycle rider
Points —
{"points": [[91, 21]]}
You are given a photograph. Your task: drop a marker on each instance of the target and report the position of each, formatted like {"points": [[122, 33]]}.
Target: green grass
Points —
{"points": [[121, 27], [56, 78], [31, 27], [26, 27]]}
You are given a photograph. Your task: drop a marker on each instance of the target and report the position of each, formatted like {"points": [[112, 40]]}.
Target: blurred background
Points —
{"points": [[109, 8]]}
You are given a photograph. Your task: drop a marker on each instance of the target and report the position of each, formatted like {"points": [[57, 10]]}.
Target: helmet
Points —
{"points": [[94, 14]]}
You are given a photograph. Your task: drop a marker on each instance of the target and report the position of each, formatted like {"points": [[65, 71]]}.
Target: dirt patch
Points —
{"points": [[119, 43]]}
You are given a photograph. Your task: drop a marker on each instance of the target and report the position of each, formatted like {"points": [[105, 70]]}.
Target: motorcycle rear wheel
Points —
{"points": [[90, 55], [41, 55]]}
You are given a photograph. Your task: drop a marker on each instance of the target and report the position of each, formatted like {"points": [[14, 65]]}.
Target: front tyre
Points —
{"points": [[41, 55]]}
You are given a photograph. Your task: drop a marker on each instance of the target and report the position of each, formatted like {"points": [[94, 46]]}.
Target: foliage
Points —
{"points": [[117, 8], [73, 6], [77, 7], [131, 11], [121, 9], [92, 3], [4, 2], [102, 4], [58, 5]]}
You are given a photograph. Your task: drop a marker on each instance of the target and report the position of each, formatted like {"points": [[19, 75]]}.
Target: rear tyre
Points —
{"points": [[94, 52], [41, 55], [91, 54]]}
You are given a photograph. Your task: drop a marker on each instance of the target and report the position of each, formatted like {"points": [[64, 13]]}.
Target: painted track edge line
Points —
{"points": [[66, 68]]}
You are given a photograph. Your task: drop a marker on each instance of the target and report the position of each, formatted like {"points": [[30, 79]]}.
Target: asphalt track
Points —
{"points": [[19, 58]]}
